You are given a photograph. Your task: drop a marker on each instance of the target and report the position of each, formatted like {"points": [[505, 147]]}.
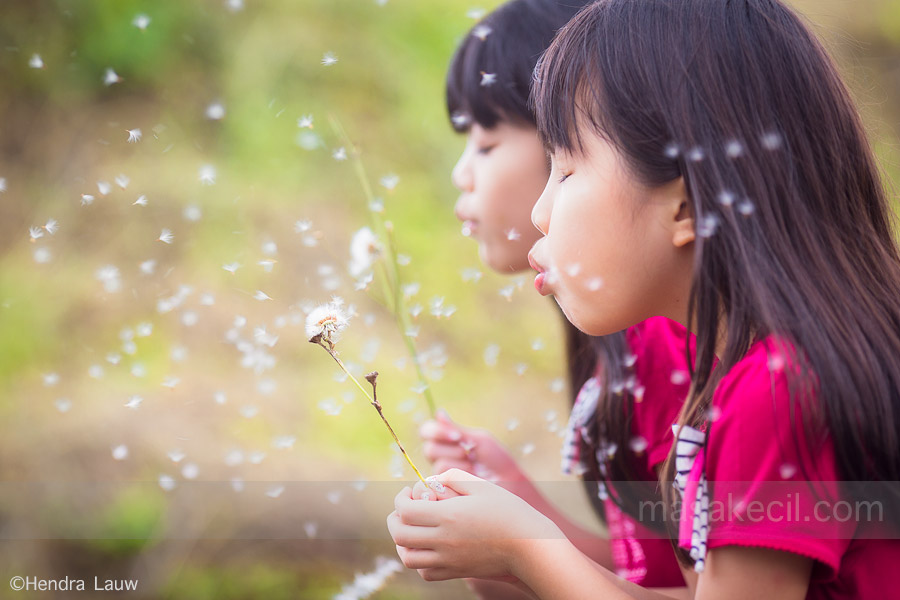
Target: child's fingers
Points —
{"points": [[435, 451], [417, 512], [417, 558], [423, 492], [440, 432], [440, 466], [461, 482]]}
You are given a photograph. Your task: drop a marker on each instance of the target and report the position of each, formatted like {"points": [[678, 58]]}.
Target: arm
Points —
{"points": [[446, 444], [488, 532]]}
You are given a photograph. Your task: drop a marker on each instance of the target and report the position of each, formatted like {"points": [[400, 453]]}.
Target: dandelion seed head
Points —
{"points": [[327, 320]]}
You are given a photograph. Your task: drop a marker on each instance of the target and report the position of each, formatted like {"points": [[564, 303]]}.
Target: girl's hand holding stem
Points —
{"points": [[477, 529]]}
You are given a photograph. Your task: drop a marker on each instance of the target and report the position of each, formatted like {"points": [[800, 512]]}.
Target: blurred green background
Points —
{"points": [[244, 466]]}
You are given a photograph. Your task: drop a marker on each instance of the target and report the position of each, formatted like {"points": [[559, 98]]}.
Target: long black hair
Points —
{"points": [[506, 45], [794, 227]]}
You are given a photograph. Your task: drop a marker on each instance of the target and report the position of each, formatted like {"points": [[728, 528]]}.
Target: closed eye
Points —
{"points": [[564, 177], [486, 149]]}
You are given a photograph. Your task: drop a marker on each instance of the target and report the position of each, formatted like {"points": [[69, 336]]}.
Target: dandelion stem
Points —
{"points": [[372, 399], [392, 273]]}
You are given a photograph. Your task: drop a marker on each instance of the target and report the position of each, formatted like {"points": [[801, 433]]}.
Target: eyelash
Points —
{"points": [[564, 177], [485, 149]]}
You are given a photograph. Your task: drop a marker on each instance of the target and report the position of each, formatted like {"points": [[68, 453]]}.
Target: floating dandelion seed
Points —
{"points": [[207, 175], [108, 275], [192, 213], [594, 284], [113, 358], [734, 149], [104, 188], [696, 154], [141, 201], [147, 267], [190, 471], [138, 370], [679, 377], [491, 355], [261, 296], [475, 13], [166, 482], [746, 208], [339, 154], [481, 32], [771, 140], [36, 62], [120, 452], [86, 199], [638, 444], [267, 264], [460, 120], [35, 233], [512, 235], [507, 292], [2, 184], [302, 226], [122, 181], [134, 135], [708, 226], [471, 274], [134, 402], [50, 379], [488, 79], [573, 270], [672, 151], [215, 111], [231, 267], [63, 405], [141, 21], [166, 236], [234, 5], [365, 250], [275, 491], [176, 455], [329, 59], [110, 77], [726, 198], [787, 471], [305, 122], [390, 181]]}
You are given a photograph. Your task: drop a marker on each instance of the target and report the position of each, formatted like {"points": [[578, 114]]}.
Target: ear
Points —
{"points": [[682, 220]]}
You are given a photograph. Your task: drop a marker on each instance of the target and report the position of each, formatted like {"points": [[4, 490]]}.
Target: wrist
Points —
{"points": [[537, 548]]}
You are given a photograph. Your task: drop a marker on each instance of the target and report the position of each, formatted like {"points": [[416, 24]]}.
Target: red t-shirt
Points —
{"points": [[771, 486], [640, 554]]}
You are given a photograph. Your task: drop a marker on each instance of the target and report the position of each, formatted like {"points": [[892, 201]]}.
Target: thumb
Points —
{"points": [[464, 484]]}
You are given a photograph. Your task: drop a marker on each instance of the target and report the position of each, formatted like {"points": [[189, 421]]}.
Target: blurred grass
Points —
{"points": [[64, 130]]}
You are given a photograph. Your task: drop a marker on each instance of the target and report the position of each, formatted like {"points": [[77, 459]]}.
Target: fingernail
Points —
{"points": [[434, 484], [455, 436], [426, 496]]}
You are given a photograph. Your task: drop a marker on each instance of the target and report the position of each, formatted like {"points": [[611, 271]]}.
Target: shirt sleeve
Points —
{"points": [[772, 484]]}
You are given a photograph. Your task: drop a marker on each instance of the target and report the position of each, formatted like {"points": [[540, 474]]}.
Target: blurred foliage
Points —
{"points": [[64, 130]]}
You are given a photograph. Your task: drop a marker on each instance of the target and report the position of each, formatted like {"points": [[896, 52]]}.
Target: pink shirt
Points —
{"points": [[771, 486], [642, 555]]}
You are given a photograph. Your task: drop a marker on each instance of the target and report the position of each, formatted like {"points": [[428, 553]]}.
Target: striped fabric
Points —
{"points": [[578, 429], [688, 444]]}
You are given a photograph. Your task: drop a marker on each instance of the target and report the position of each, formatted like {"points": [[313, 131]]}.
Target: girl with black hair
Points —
{"points": [[709, 164], [632, 383]]}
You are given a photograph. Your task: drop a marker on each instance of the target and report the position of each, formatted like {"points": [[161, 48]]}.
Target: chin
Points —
{"points": [[504, 263]]}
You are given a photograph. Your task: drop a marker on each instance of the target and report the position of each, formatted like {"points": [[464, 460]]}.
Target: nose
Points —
{"points": [[461, 176], [540, 214]]}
